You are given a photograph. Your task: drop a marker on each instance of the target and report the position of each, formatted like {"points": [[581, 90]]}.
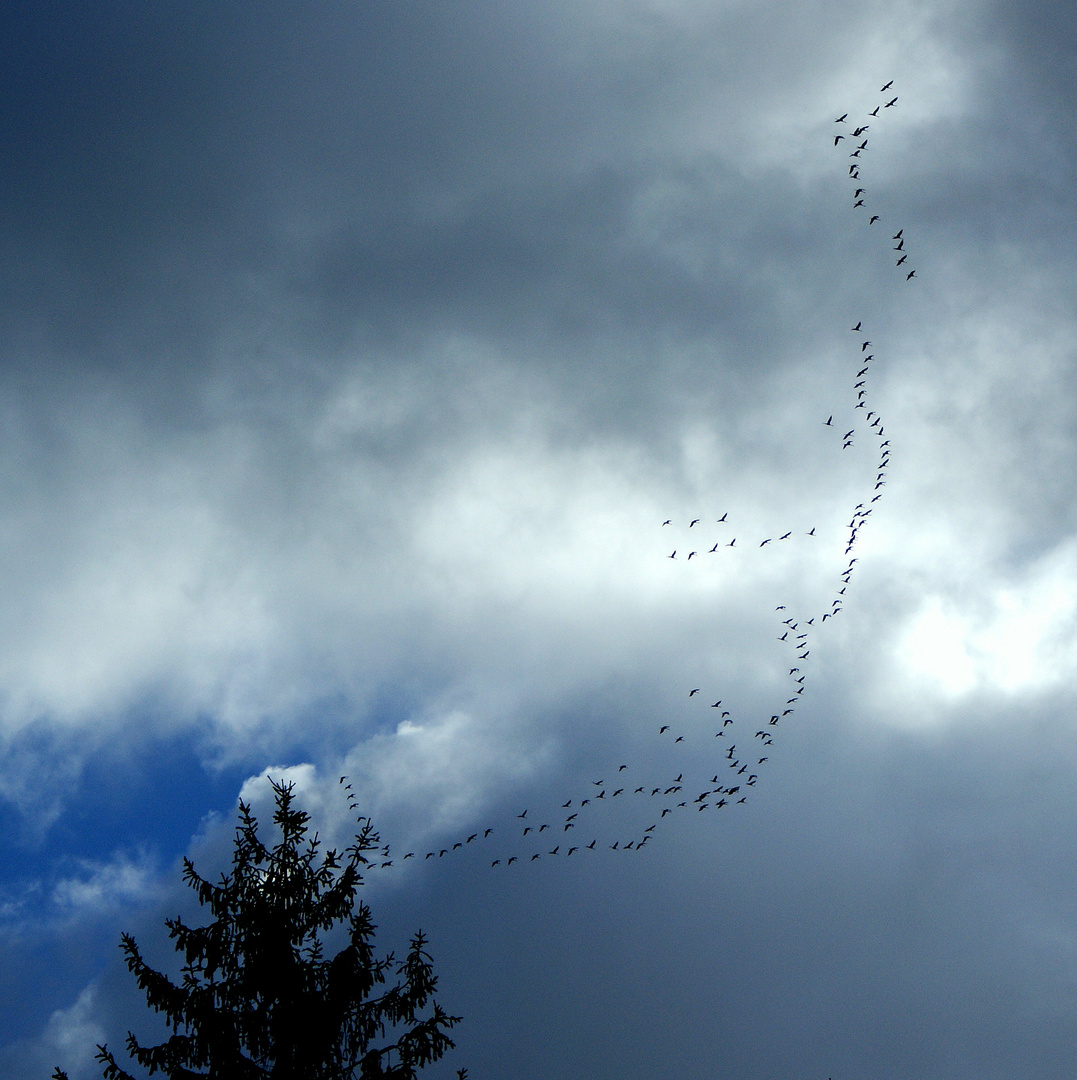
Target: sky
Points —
{"points": [[353, 359]]}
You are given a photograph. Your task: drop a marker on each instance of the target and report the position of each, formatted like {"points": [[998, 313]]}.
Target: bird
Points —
{"points": [[910, 274], [663, 729], [767, 541], [897, 235], [674, 555], [856, 329], [892, 101], [873, 219], [864, 346], [887, 87], [859, 202], [668, 521], [690, 554], [692, 692], [523, 815], [695, 522], [856, 195], [837, 139], [786, 537], [829, 421], [723, 517], [874, 112], [842, 118], [732, 542], [713, 549]]}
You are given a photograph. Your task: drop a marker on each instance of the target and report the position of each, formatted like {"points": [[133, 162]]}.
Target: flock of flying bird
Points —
{"points": [[573, 827]]}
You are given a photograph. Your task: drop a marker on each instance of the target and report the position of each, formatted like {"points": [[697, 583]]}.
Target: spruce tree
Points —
{"points": [[258, 1000]]}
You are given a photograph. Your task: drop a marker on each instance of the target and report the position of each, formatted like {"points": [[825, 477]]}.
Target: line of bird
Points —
{"points": [[733, 772], [854, 173]]}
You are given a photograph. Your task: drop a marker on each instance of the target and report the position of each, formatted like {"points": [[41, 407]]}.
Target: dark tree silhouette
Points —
{"points": [[258, 1000]]}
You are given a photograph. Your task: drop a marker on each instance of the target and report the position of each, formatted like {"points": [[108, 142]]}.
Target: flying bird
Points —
{"points": [[892, 101], [695, 691], [910, 274], [842, 118], [887, 87], [874, 218]]}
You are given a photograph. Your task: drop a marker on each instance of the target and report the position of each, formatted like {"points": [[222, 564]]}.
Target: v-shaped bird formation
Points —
{"points": [[720, 753]]}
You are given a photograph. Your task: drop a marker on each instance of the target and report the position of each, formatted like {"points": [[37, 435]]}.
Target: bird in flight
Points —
{"points": [[695, 522], [842, 118], [856, 329], [874, 218], [668, 521], [723, 517], [829, 421], [892, 101], [910, 274], [887, 87], [695, 691]]}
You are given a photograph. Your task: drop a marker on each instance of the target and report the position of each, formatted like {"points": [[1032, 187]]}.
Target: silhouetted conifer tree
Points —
{"points": [[258, 1000]]}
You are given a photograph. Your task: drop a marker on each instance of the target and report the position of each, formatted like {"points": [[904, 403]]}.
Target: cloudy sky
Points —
{"points": [[352, 357]]}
